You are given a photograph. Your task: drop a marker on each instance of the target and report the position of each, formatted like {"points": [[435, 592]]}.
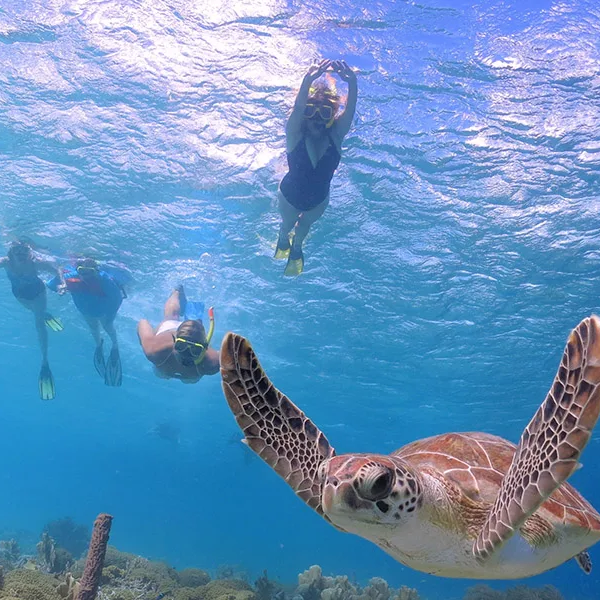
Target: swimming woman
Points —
{"points": [[98, 297], [179, 347], [314, 135], [22, 266]]}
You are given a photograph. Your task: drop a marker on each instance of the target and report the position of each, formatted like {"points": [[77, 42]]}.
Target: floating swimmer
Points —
{"points": [[314, 135], [22, 266], [98, 295], [179, 347]]}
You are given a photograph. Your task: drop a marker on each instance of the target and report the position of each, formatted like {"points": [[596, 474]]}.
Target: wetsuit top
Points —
{"points": [[99, 297], [26, 286], [305, 186]]}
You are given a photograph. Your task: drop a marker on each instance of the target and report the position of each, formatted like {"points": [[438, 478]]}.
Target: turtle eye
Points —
{"points": [[376, 483]]}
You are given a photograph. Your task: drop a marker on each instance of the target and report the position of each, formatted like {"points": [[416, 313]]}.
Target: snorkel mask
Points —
{"points": [[325, 111], [87, 271], [196, 350], [19, 252]]}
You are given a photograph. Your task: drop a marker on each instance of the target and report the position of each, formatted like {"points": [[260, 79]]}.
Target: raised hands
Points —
{"points": [[340, 67], [315, 71], [343, 70]]}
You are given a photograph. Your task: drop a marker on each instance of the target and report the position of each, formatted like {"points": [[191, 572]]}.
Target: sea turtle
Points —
{"points": [[467, 505]]}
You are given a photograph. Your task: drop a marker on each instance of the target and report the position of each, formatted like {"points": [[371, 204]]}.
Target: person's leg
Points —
{"points": [[306, 220], [109, 326], [37, 306], [173, 304], [113, 373], [94, 326], [289, 216]]}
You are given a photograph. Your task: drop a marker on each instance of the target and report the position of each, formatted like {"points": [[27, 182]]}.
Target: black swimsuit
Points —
{"points": [[305, 186], [26, 286]]}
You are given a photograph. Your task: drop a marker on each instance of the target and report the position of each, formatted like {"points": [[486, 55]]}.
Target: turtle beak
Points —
{"points": [[327, 498]]}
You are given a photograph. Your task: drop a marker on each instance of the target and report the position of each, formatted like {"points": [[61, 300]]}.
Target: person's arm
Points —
{"points": [[147, 339], [293, 128], [46, 265], [210, 364], [344, 121]]}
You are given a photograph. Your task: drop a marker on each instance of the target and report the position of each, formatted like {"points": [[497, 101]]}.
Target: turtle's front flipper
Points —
{"points": [[277, 430], [551, 444]]}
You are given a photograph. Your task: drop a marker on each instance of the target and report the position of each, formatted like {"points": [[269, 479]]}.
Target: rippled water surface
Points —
{"points": [[459, 248]]}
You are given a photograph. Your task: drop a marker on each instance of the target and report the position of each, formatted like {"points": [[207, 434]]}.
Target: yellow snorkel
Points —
{"points": [[211, 330]]}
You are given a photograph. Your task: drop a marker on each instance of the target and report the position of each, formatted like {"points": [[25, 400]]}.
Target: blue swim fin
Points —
{"points": [[194, 310]]}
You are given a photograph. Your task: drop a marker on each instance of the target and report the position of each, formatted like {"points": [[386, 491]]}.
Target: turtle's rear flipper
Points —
{"points": [[276, 429], [584, 561], [551, 444]]}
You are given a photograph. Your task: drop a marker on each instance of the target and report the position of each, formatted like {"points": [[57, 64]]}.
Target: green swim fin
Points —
{"points": [[283, 247], [53, 323], [114, 372], [46, 383], [295, 263], [99, 360]]}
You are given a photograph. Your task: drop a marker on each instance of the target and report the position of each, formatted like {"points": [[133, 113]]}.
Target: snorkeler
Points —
{"points": [[22, 266], [314, 135], [98, 297], [178, 347]]}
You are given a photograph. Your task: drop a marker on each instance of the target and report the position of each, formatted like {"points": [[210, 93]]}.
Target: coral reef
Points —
{"points": [[10, 553], [266, 589], [52, 558], [520, 592], [69, 588], [67, 534], [193, 577], [130, 577], [46, 550], [26, 584], [228, 589], [312, 585], [231, 572]]}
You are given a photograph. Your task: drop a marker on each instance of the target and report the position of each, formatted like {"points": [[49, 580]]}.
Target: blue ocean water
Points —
{"points": [[459, 249]]}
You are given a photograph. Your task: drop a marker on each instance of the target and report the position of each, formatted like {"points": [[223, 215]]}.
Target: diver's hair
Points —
{"points": [[90, 263], [16, 248], [192, 331], [325, 94]]}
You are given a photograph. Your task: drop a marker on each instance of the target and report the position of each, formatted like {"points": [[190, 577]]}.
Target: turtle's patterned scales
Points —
{"points": [[273, 426], [551, 444]]}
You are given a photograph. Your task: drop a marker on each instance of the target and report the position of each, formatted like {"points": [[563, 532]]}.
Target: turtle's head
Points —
{"points": [[369, 489]]}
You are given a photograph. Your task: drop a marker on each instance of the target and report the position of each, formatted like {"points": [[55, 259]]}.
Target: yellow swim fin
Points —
{"points": [[46, 383], [53, 323], [295, 263], [283, 247]]}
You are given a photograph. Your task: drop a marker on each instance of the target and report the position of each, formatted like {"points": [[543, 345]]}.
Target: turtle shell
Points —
{"points": [[477, 463]]}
